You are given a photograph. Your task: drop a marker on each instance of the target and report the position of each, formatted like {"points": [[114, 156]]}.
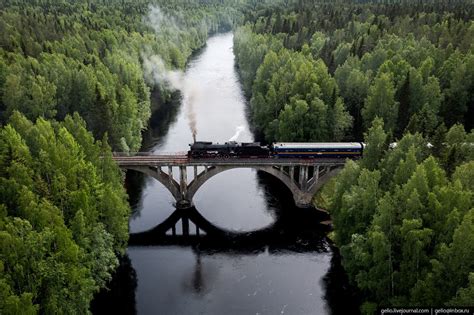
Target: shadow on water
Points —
{"points": [[134, 184], [284, 234], [338, 288], [295, 230], [165, 113], [120, 298]]}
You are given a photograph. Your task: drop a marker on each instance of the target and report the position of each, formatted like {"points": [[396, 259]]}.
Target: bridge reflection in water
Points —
{"points": [[295, 230], [187, 227], [292, 226]]}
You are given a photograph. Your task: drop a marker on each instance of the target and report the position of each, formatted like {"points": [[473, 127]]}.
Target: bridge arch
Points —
{"points": [[333, 171], [162, 177], [212, 171], [310, 178]]}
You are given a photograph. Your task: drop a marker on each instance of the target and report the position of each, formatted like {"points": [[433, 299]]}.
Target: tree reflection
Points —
{"points": [[119, 296]]}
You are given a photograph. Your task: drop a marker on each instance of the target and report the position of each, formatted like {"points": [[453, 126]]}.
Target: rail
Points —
{"points": [[148, 153], [170, 160]]}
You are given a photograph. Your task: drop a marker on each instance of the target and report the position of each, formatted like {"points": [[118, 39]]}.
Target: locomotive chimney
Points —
{"points": [[194, 137]]}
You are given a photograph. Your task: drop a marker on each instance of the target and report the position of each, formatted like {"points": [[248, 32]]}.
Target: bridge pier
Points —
{"points": [[184, 204], [303, 200], [184, 201]]}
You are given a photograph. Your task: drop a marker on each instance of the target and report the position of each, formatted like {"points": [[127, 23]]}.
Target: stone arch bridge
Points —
{"points": [[303, 177]]}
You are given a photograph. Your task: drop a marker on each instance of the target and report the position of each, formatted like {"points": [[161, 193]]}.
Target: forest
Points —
{"points": [[379, 72], [74, 87], [76, 83]]}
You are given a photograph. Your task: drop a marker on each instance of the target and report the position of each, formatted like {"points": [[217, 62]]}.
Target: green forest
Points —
{"points": [[381, 72], [75, 87]]}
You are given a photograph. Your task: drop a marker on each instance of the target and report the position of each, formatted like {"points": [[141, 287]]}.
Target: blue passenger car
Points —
{"points": [[317, 149]]}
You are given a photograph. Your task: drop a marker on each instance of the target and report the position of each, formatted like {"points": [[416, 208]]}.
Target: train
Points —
{"points": [[305, 150]]}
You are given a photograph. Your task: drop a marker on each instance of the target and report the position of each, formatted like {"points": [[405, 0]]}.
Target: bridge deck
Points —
{"points": [[183, 160]]}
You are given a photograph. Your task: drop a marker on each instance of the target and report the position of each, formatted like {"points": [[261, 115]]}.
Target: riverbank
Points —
{"points": [[279, 256]]}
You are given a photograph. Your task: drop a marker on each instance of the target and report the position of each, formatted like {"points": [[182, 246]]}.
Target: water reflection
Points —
{"points": [[200, 280], [288, 267], [248, 249], [276, 269], [212, 90], [294, 228], [338, 289], [119, 297], [165, 113]]}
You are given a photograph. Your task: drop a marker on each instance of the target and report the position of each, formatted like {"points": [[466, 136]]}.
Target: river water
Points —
{"points": [[276, 258]]}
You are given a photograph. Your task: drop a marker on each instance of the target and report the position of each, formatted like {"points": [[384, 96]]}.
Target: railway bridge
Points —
{"points": [[183, 176]]}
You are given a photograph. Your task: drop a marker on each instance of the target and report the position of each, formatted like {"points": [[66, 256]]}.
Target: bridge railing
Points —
{"points": [[131, 154]]}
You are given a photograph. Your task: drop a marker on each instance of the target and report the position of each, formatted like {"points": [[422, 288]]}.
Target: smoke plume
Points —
{"points": [[238, 131], [191, 95], [158, 74], [160, 22]]}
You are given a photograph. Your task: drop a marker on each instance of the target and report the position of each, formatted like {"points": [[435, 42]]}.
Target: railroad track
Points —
{"points": [[183, 159]]}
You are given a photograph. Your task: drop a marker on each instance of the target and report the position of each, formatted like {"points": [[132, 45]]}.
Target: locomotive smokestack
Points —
{"points": [[194, 137]]}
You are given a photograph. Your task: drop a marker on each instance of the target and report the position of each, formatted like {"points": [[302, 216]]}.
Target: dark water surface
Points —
{"points": [[262, 255]]}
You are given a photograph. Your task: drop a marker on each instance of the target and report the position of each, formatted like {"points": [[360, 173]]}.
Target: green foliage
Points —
{"points": [[408, 64], [250, 49], [381, 103], [354, 86], [375, 144], [399, 72], [294, 98], [63, 210], [57, 58], [457, 148], [465, 296], [63, 218], [311, 69], [405, 227]]}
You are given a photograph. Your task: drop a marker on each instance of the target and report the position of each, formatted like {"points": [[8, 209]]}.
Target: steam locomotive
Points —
{"points": [[310, 150]]}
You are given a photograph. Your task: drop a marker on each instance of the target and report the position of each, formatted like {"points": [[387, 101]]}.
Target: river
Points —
{"points": [[277, 259]]}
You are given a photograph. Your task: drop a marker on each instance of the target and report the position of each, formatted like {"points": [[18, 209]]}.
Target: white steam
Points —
{"points": [[158, 74], [159, 21], [238, 131]]}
